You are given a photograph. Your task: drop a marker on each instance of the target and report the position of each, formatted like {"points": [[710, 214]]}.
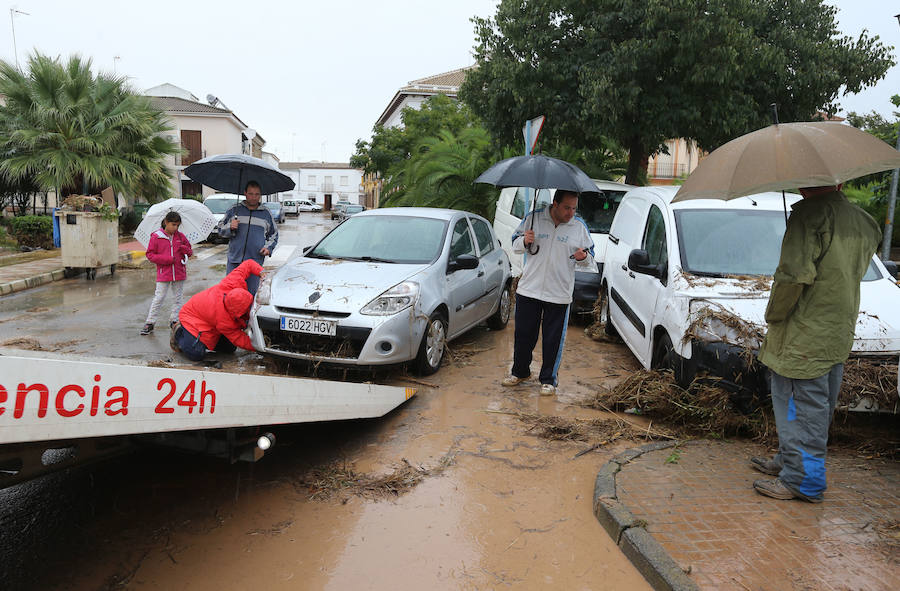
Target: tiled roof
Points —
{"points": [[453, 78], [314, 164], [447, 83], [179, 105]]}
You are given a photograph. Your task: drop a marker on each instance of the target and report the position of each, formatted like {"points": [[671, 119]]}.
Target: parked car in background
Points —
{"points": [[218, 204], [686, 286], [276, 209], [290, 207], [597, 212], [337, 207], [386, 286], [305, 205], [348, 211]]}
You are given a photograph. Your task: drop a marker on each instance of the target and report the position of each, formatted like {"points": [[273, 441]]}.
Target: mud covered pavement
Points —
{"points": [[457, 489]]}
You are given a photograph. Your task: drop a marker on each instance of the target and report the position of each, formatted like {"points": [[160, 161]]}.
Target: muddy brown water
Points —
{"points": [[509, 511]]}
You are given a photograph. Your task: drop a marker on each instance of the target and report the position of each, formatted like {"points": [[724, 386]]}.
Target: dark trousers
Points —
{"points": [[194, 349], [551, 320], [252, 280]]}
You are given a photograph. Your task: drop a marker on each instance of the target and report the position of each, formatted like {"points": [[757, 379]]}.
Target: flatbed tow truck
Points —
{"points": [[58, 411]]}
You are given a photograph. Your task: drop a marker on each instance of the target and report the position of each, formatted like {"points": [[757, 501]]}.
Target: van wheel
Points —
{"points": [[608, 328], [665, 357], [498, 319], [431, 349]]}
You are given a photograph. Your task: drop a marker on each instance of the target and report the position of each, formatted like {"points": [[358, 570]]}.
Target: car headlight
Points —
{"points": [[264, 293], [401, 296]]}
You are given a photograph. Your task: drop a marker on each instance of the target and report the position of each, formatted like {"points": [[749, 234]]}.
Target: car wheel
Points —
{"points": [[499, 319], [665, 357], [608, 328], [431, 349]]}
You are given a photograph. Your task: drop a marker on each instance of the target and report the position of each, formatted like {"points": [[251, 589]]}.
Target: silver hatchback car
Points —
{"points": [[386, 286]]}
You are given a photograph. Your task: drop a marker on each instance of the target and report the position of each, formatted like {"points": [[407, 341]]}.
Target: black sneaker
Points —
{"points": [[148, 328]]}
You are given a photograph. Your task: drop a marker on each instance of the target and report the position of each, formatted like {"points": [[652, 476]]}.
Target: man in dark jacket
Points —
{"points": [[251, 231]]}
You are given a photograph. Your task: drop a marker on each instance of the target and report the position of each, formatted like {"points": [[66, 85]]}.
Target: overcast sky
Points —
{"points": [[310, 76]]}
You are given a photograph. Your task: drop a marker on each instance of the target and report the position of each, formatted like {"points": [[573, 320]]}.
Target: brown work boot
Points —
{"points": [[173, 337], [512, 380], [778, 490], [765, 465]]}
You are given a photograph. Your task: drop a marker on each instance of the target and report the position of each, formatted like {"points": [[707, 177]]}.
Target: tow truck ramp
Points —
{"points": [[56, 401]]}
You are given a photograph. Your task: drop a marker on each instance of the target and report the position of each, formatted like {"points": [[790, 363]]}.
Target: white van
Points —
{"points": [[597, 211], [290, 207], [218, 204]]}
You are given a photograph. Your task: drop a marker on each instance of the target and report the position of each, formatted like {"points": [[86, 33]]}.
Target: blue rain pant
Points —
{"points": [[194, 349], [551, 320], [803, 411]]}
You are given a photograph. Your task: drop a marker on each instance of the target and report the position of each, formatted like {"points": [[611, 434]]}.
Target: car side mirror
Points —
{"points": [[463, 261], [639, 262], [891, 267], [306, 249]]}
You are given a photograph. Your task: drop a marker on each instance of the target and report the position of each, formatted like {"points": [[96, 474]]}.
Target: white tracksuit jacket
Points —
{"points": [[549, 275]]}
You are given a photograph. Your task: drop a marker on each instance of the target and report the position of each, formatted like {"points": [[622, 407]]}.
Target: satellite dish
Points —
{"points": [[211, 99], [249, 133]]}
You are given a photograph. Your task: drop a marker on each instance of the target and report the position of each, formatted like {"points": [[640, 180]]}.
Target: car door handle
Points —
{"points": [[624, 268], [500, 262], [630, 274], [481, 273]]}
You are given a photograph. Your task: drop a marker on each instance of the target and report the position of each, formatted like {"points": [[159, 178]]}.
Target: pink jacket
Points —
{"points": [[167, 253]]}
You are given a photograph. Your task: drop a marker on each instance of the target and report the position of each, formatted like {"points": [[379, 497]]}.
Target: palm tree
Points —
{"points": [[442, 170], [70, 130]]}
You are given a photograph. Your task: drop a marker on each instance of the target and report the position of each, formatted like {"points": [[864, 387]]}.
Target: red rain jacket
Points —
{"points": [[222, 310]]}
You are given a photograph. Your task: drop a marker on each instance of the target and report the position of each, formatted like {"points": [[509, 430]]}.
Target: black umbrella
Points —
{"points": [[538, 172], [230, 173]]}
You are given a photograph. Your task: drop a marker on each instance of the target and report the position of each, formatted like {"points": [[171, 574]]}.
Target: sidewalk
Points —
{"points": [[708, 529], [15, 278]]}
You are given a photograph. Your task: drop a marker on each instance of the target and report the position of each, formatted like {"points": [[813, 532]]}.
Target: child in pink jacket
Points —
{"points": [[169, 249]]}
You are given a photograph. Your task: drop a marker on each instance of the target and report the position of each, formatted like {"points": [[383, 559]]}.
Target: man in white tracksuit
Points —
{"points": [[557, 241]]}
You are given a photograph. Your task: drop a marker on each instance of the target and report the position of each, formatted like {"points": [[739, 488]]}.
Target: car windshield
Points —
{"points": [[598, 211], [734, 242], [354, 208], [395, 239], [721, 242], [272, 205], [219, 205]]}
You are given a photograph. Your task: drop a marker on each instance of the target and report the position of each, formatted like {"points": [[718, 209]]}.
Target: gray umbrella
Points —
{"points": [[538, 172], [230, 173]]}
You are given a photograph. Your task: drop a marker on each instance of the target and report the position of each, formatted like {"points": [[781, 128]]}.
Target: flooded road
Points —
{"points": [[494, 506]]}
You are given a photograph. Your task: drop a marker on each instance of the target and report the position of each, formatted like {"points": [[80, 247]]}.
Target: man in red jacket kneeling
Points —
{"points": [[222, 310]]}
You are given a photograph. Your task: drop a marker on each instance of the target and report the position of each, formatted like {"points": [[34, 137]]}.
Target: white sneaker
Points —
{"points": [[512, 380], [548, 389]]}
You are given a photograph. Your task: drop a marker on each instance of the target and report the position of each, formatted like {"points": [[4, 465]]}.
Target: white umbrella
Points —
{"points": [[197, 221]]}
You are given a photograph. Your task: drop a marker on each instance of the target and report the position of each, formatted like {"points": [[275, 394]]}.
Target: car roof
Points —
{"points": [[611, 185], [771, 200], [421, 212], [229, 196]]}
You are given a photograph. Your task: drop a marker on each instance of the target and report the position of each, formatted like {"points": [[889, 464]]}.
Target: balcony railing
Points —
{"points": [[665, 170]]}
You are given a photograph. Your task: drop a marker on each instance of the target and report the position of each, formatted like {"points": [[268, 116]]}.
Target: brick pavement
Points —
{"points": [[705, 514]]}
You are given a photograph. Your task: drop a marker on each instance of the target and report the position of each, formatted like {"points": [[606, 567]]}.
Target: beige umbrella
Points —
{"points": [[788, 156]]}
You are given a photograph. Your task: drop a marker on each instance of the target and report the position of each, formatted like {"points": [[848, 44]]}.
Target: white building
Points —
{"points": [[324, 183], [204, 129], [417, 91]]}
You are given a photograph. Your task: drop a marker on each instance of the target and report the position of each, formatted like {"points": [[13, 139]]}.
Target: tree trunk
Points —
{"points": [[637, 161]]}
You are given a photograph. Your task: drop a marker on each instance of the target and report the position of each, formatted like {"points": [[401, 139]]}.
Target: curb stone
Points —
{"points": [[55, 275], [629, 534]]}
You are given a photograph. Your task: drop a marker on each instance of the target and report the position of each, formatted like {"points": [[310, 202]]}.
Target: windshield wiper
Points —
{"points": [[368, 259], [317, 256]]}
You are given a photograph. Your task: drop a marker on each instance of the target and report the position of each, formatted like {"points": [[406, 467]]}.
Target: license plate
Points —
{"points": [[309, 325]]}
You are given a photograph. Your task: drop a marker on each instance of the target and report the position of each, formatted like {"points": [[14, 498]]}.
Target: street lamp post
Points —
{"points": [[12, 25], [892, 200]]}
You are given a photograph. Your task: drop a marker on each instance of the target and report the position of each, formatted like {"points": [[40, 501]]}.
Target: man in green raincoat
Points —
{"points": [[812, 313]]}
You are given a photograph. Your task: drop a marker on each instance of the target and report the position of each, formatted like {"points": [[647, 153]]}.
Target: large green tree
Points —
{"points": [[68, 129], [643, 71]]}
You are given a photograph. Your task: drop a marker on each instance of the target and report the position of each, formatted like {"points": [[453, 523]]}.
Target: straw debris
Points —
{"points": [[870, 382], [703, 409], [327, 482]]}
